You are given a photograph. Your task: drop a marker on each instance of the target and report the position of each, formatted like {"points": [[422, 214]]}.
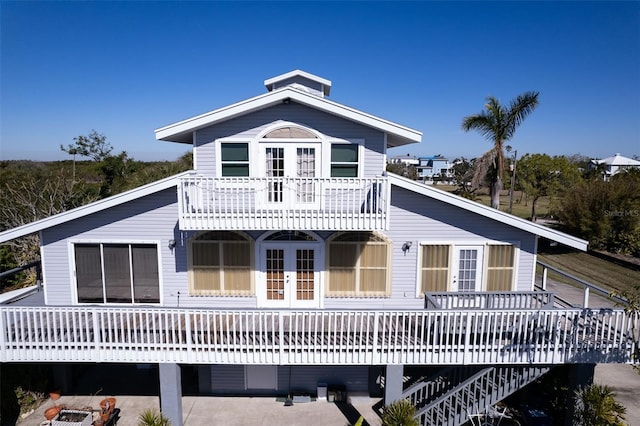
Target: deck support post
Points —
{"points": [[171, 392], [63, 377], [580, 375], [393, 383]]}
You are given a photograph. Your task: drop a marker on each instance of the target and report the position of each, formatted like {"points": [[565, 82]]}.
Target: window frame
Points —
{"points": [[222, 292], [101, 243], [359, 143], [485, 261], [220, 163], [358, 292]]}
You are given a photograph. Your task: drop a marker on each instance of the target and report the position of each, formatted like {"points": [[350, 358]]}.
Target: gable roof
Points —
{"points": [[90, 208], [489, 212], [182, 131], [617, 160]]}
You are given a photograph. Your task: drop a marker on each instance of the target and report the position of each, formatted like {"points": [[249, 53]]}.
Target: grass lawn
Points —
{"points": [[521, 207], [597, 271]]}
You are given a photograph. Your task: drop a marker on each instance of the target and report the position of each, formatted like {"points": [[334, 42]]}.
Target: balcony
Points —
{"points": [[247, 203], [504, 336]]}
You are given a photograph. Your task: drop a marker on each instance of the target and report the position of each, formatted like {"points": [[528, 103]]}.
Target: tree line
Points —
{"points": [[31, 190]]}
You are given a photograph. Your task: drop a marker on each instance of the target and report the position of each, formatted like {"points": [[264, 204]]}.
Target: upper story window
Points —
{"points": [[344, 160], [117, 273], [234, 159]]}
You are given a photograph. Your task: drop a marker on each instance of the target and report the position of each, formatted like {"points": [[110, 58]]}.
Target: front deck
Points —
{"points": [[535, 335]]}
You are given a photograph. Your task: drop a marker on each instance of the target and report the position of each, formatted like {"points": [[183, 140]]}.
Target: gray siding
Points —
{"points": [[154, 218], [248, 126], [421, 219], [151, 218], [313, 86]]}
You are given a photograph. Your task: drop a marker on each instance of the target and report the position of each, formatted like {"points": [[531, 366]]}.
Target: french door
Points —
{"points": [[468, 263], [286, 160], [290, 275]]}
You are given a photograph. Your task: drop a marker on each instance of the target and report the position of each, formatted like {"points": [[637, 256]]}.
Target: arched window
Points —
{"points": [[358, 265], [290, 132], [221, 263]]}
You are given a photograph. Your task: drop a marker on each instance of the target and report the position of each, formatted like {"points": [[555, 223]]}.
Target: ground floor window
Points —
{"points": [[117, 273], [358, 265], [468, 267], [221, 263]]}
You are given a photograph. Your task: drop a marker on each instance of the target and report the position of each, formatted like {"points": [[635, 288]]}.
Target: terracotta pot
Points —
{"points": [[51, 413], [55, 394], [107, 405]]}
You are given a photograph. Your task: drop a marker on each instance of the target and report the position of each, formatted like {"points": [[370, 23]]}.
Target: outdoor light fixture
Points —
{"points": [[406, 246], [172, 244]]}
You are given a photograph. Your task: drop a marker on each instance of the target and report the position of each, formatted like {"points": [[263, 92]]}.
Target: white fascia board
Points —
{"points": [[356, 115], [90, 208], [290, 74], [279, 95], [489, 212], [220, 114]]}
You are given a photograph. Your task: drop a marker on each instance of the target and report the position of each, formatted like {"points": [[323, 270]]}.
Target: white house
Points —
{"points": [[435, 166], [613, 165], [288, 258]]}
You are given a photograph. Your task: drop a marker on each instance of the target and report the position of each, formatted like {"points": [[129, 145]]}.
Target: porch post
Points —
{"points": [[393, 383], [171, 393], [580, 375]]}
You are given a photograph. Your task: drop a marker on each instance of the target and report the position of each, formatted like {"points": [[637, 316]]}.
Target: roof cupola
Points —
{"points": [[300, 80]]}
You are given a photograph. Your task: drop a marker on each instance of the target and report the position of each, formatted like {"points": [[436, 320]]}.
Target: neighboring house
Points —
{"points": [[434, 167], [288, 258], [407, 160], [612, 165]]}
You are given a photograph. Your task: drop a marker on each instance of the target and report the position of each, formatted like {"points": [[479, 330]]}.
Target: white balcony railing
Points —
{"points": [[247, 203], [430, 337]]}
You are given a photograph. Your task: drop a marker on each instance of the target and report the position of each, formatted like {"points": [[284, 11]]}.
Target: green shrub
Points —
{"points": [[595, 405], [151, 417], [399, 413]]}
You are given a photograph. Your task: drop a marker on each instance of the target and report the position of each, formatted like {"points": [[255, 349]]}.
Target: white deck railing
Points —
{"points": [[247, 203], [140, 335], [489, 300]]}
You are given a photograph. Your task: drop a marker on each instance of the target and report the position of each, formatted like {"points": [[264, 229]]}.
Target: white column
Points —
{"points": [[171, 393], [393, 383]]}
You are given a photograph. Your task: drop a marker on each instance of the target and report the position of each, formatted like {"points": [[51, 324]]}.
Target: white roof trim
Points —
{"points": [[168, 133], [90, 208], [326, 83], [489, 212]]}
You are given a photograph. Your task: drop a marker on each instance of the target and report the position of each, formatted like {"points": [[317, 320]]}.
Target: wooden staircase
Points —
{"points": [[448, 397]]}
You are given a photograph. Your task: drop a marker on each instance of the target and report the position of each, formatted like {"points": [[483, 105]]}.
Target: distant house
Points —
{"points": [[612, 165], [407, 160], [288, 260], [434, 167]]}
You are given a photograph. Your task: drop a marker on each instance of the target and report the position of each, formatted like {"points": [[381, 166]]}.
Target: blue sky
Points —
{"points": [[127, 68]]}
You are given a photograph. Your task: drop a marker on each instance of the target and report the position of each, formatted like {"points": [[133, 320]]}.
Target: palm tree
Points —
{"points": [[595, 405], [498, 124]]}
